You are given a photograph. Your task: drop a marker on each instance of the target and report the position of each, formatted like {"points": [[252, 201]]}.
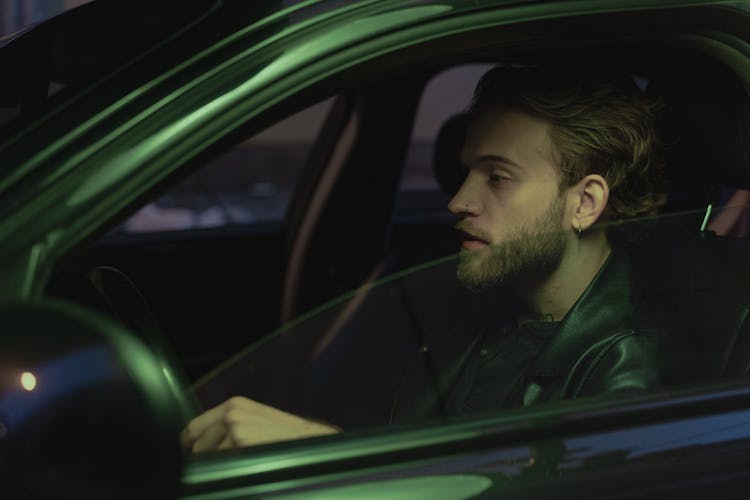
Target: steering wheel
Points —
{"points": [[127, 304]]}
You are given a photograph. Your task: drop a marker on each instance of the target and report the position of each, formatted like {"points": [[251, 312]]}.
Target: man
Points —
{"points": [[549, 153]]}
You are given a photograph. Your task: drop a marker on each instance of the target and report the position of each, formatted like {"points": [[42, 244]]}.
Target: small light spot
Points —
{"points": [[28, 381]]}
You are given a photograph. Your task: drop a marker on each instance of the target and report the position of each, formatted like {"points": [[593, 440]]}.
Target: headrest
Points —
{"points": [[446, 158], [704, 124]]}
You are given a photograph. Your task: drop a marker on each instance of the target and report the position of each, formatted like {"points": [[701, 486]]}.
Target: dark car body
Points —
{"points": [[103, 121]]}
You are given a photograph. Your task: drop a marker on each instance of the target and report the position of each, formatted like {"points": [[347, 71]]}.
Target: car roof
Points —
{"points": [[81, 44]]}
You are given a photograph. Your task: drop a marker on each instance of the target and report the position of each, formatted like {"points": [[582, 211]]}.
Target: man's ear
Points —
{"points": [[590, 197]]}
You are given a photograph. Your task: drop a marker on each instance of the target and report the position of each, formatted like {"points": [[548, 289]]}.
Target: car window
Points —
{"points": [[457, 335], [250, 183], [397, 350], [424, 187], [17, 13]]}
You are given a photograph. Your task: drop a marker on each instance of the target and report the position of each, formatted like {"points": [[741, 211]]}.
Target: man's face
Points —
{"points": [[512, 215]]}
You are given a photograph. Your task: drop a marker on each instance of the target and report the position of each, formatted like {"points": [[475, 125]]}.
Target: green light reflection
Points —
{"points": [[453, 486]]}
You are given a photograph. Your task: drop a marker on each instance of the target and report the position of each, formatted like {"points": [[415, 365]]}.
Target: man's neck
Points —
{"points": [[553, 298]]}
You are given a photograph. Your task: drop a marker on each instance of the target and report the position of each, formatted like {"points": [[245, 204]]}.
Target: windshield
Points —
{"points": [[670, 301]]}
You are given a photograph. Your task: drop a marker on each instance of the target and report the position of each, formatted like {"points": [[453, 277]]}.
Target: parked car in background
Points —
{"points": [[180, 178]]}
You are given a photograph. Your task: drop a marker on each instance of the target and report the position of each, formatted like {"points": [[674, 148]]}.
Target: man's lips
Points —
{"points": [[470, 241]]}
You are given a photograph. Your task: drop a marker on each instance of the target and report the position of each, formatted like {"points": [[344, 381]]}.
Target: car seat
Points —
{"points": [[447, 167], [704, 125]]}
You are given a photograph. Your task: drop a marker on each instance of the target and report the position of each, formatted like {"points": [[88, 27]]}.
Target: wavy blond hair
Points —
{"points": [[602, 123]]}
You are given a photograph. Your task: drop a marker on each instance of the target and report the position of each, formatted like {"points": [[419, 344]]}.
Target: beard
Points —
{"points": [[529, 255]]}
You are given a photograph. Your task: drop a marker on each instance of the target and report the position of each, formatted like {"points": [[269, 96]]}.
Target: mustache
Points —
{"points": [[466, 231]]}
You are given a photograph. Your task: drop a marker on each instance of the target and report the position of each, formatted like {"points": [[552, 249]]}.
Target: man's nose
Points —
{"points": [[462, 203]]}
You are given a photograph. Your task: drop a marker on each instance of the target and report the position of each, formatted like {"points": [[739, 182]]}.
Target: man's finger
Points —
{"points": [[196, 427], [211, 438], [226, 444]]}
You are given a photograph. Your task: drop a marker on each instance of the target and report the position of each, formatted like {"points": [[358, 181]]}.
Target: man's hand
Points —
{"points": [[242, 422]]}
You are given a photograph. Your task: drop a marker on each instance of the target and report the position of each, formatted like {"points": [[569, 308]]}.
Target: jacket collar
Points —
{"points": [[604, 307]]}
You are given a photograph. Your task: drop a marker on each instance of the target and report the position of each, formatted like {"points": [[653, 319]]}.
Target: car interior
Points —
{"points": [[201, 296]]}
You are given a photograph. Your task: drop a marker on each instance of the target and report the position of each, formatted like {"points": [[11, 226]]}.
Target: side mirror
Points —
{"points": [[85, 409]]}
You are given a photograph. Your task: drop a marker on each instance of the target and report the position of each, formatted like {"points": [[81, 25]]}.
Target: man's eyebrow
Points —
{"points": [[493, 158]]}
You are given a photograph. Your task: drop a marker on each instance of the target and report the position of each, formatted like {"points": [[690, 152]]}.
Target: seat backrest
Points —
{"points": [[446, 161], [704, 124]]}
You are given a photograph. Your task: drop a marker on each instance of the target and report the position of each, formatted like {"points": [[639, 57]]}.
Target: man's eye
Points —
{"points": [[498, 178]]}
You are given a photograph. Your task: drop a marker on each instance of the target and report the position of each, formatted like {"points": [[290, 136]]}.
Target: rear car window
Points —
{"points": [[250, 183], [446, 95]]}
